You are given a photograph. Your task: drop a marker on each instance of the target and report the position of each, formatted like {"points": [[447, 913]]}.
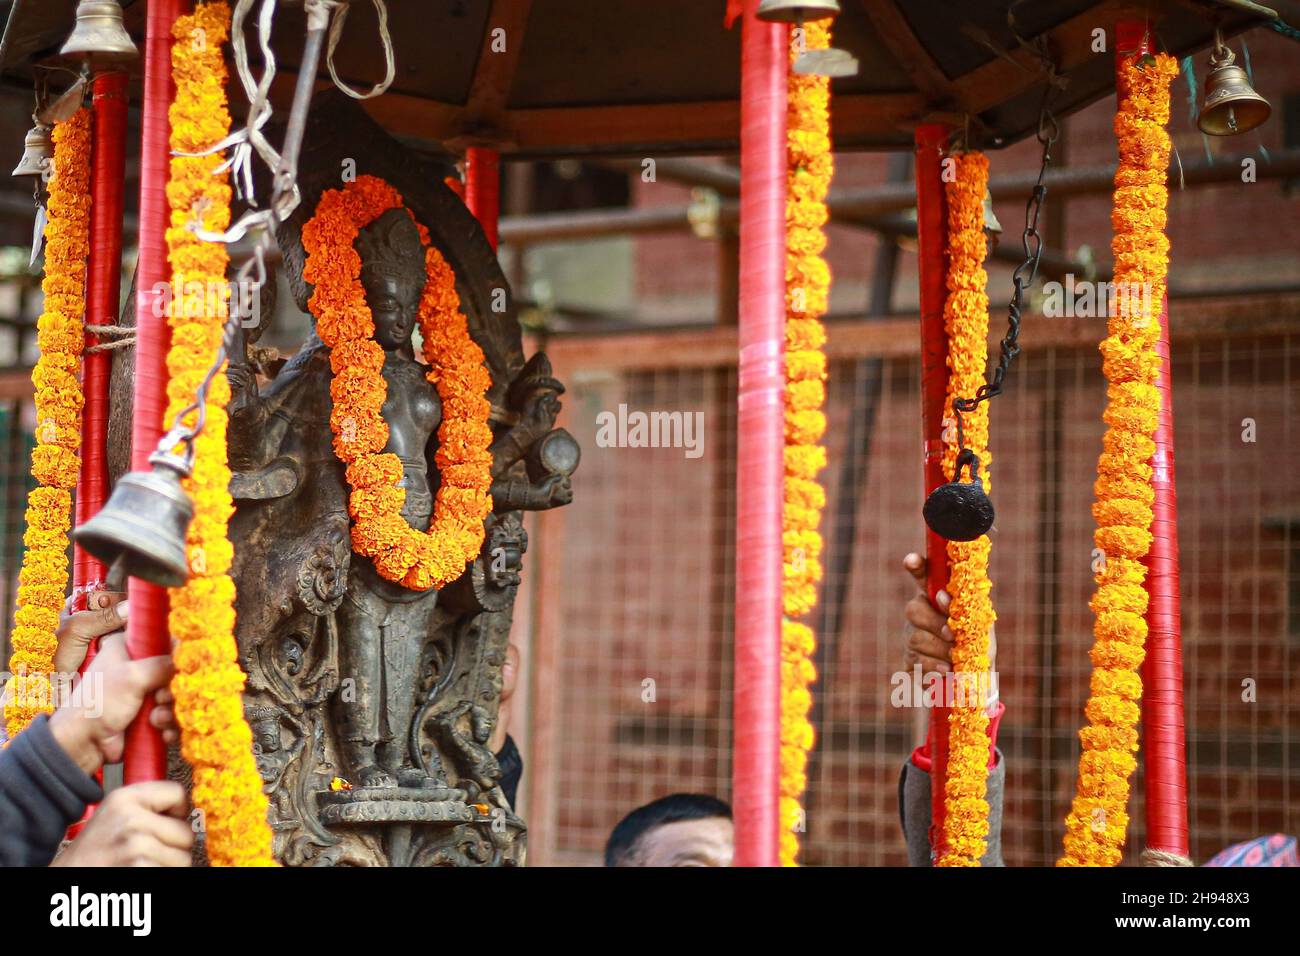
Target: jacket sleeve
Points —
{"points": [[914, 813], [42, 792]]}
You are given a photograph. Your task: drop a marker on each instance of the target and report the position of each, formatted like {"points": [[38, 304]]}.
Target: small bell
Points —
{"points": [[38, 148], [99, 38], [797, 11], [992, 228], [960, 510], [141, 529], [1231, 105]]}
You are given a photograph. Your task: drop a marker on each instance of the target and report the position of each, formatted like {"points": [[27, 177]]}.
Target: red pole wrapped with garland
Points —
{"points": [[1097, 825], [103, 289], [760, 430], [146, 632], [1165, 760], [932, 243]]}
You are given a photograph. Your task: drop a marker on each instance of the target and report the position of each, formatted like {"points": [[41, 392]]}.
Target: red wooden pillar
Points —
{"points": [[483, 188], [146, 633], [759, 441], [103, 289], [932, 246], [1163, 739]]}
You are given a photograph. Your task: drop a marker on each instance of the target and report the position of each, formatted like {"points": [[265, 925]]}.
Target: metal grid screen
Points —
{"points": [[645, 563]]}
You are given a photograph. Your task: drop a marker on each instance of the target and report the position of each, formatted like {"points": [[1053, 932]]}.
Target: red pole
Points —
{"points": [[932, 247], [146, 632], [103, 289], [1165, 759], [483, 188], [759, 441]]}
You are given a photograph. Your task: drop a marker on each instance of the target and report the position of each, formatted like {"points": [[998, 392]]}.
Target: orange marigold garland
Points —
{"points": [[1098, 820], [56, 462], [415, 559], [209, 683], [807, 279], [970, 615]]}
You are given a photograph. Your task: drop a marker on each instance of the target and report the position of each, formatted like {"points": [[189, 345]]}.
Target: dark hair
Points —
{"points": [[670, 809]]}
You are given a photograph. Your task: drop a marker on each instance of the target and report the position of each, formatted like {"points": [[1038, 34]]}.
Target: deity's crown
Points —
{"points": [[390, 247]]}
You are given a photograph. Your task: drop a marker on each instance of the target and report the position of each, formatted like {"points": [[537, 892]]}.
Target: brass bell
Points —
{"points": [[99, 36], [141, 529], [1231, 105], [38, 148], [797, 11]]}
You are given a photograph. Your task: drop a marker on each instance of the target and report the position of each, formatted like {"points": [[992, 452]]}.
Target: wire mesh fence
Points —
{"points": [[645, 556]]}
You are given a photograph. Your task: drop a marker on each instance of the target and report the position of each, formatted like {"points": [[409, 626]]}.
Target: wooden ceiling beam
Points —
{"points": [[1017, 71], [610, 128], [494, 74], [910, 53]]}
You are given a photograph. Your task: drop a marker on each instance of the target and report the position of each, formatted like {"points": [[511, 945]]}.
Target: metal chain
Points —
{"points": [[1021, 280]]}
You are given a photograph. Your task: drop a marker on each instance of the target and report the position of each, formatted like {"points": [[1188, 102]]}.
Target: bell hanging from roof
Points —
{"points": [[100, 38], [1231, 104], [38, 149], [797, 11]]}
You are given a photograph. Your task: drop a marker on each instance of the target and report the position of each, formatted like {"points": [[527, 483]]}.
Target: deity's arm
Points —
{"points": [[515, 442], [521, 494]]}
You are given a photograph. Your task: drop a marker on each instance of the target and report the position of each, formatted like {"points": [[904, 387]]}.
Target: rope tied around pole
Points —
{"points": [[1153, 857], [118, 336]]}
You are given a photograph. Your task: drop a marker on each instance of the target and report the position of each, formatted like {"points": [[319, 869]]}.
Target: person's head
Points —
{"points": [[684, 829], [392, 273]]}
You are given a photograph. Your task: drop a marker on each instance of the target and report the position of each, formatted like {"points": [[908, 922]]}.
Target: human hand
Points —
{"points": [[91, 726], [106, 612], [509, 678], [143, 824], [929, 638]]}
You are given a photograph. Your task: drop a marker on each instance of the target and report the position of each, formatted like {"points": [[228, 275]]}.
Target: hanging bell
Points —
{"points": [[797, 11], [960, 510], [992, 228], [141, 529], [1231, 105], [99, 38], [38, 148]]}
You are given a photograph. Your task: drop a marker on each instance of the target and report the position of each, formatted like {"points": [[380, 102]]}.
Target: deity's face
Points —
{"points": [[395, 305]]}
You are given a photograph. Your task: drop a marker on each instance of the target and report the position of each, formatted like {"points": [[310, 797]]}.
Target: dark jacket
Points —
{"points": [[42, 792]]}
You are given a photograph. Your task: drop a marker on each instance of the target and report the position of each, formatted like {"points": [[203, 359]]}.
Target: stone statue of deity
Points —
{"points": [[372, 704]]}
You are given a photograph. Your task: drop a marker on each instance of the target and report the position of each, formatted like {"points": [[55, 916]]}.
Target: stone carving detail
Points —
{"points": [[372, 705]]}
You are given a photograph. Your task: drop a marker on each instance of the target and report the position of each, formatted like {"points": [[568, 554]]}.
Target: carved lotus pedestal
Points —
{"points": [[421, 827]]}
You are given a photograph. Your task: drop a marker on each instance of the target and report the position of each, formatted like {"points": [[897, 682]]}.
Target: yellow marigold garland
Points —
{"points": [[807, 279], [1098, 820], [415, 559], [56, 461], [971, 616], [209, 683]]}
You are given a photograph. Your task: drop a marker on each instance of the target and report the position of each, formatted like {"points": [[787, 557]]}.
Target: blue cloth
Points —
{"points": [[1276, 850]]}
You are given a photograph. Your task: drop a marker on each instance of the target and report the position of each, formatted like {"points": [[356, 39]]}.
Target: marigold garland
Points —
{"points": [[970, 615], [1098, 820], [807, 279], [415, 559], [56, 461], [209, 683]]}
